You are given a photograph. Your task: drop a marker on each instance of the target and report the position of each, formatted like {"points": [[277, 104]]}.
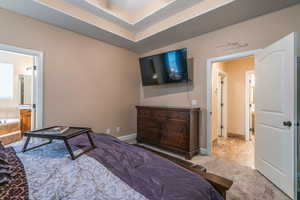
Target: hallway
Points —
{"points": [[235, 149]]}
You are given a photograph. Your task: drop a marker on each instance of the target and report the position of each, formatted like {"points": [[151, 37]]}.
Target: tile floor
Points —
{"points": [[235, 149]]}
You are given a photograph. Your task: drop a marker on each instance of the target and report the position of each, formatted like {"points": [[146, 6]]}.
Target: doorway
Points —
{"points": [[276, 121], [21, 92], [233, 110]]}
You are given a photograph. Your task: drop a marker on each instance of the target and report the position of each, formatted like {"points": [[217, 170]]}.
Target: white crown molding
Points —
{"points": [[84, 16], [147, 14], [152, 32], [124, 18], [174, 13], [132, 21], [181, 17]]}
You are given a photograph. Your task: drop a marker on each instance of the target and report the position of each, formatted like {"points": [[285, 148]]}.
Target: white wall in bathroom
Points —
{"points": [[9, 107]]}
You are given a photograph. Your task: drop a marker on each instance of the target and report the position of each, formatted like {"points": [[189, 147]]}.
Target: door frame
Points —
{"points": [[247, 103], [38, 81], [209, 67], [224, 117], [297, 129]]}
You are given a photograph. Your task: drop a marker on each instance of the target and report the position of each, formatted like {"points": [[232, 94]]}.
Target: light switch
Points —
{"points": [[194, 102]]}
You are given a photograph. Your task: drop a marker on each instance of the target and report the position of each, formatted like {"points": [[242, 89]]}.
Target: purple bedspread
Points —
{"points": [[149, 174]]}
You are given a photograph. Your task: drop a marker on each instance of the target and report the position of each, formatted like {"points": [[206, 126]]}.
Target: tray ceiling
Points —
{"points": [[142, 25], [134, 15], [132, 6]]}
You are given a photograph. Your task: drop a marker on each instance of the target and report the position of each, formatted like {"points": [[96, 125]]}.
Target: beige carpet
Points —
{"points": [[234, 159], [248, 184]]}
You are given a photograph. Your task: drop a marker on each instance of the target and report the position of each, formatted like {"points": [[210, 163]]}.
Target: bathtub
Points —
{"points": [[10, 131], [9, 126], [9, 121]]}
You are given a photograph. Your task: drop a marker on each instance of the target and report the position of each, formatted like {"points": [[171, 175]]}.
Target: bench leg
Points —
{"points": [[90, 139], [83, 152], [26, 144], [69, 149], [34, 147]]}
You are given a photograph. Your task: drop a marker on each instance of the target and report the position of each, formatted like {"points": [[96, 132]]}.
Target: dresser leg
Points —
{"points": [[188, 156]]}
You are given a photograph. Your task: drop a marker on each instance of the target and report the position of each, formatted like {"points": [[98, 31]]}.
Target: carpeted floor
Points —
{"points": [[248, 184]]}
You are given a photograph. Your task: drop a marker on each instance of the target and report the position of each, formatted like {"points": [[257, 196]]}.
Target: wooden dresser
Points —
{"points": [[173, 129]]}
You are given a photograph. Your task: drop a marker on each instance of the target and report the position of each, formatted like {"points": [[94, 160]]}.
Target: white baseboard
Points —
{"points": [[128, 137], [203, 151]]}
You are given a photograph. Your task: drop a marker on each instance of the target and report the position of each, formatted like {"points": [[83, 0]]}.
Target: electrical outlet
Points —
{"points": [[118, 129], [194, 102], [107, 131]]}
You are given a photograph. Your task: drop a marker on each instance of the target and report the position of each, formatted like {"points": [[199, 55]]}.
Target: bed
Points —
{"points": [[114, 170]]}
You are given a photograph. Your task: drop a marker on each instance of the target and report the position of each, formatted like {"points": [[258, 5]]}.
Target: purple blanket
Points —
{"points": [[154, 177]]}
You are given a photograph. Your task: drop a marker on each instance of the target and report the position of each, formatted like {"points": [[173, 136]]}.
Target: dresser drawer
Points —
{"points": [[174, 129], [164, 114], [175, 133], [145, 113], [178, 115], [152, 135], [150, 123]]}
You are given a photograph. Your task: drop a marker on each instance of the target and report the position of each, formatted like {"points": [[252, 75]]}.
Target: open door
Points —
{"points": [[276, 106]]}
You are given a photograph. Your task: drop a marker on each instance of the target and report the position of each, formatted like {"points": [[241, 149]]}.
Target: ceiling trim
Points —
{"points": [[84, 16], [158, 35], [142, 30], [90, 4], [63, 20], [185, 15], [159, 13]]}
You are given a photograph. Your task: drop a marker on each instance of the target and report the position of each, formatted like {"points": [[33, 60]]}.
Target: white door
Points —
{"points": [[276, 113]]}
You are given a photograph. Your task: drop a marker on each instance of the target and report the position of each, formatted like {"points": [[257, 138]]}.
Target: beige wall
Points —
{"points": [[236, 72], [258, 33], [86, 82], [9, 107]]}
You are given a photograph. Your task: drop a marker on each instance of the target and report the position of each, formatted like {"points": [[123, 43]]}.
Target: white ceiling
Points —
{"points": [[131, 6], [143, 25], [133, 17]]}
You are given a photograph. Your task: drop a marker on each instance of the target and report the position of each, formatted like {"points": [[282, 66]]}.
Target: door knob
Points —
{"points": [[287, 123]]}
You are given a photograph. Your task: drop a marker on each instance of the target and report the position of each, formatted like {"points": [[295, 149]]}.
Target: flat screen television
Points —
{"points": [[165, 68]]}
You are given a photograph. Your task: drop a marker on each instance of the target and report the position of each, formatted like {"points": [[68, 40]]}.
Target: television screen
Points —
{"points": [[169, 67]]}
